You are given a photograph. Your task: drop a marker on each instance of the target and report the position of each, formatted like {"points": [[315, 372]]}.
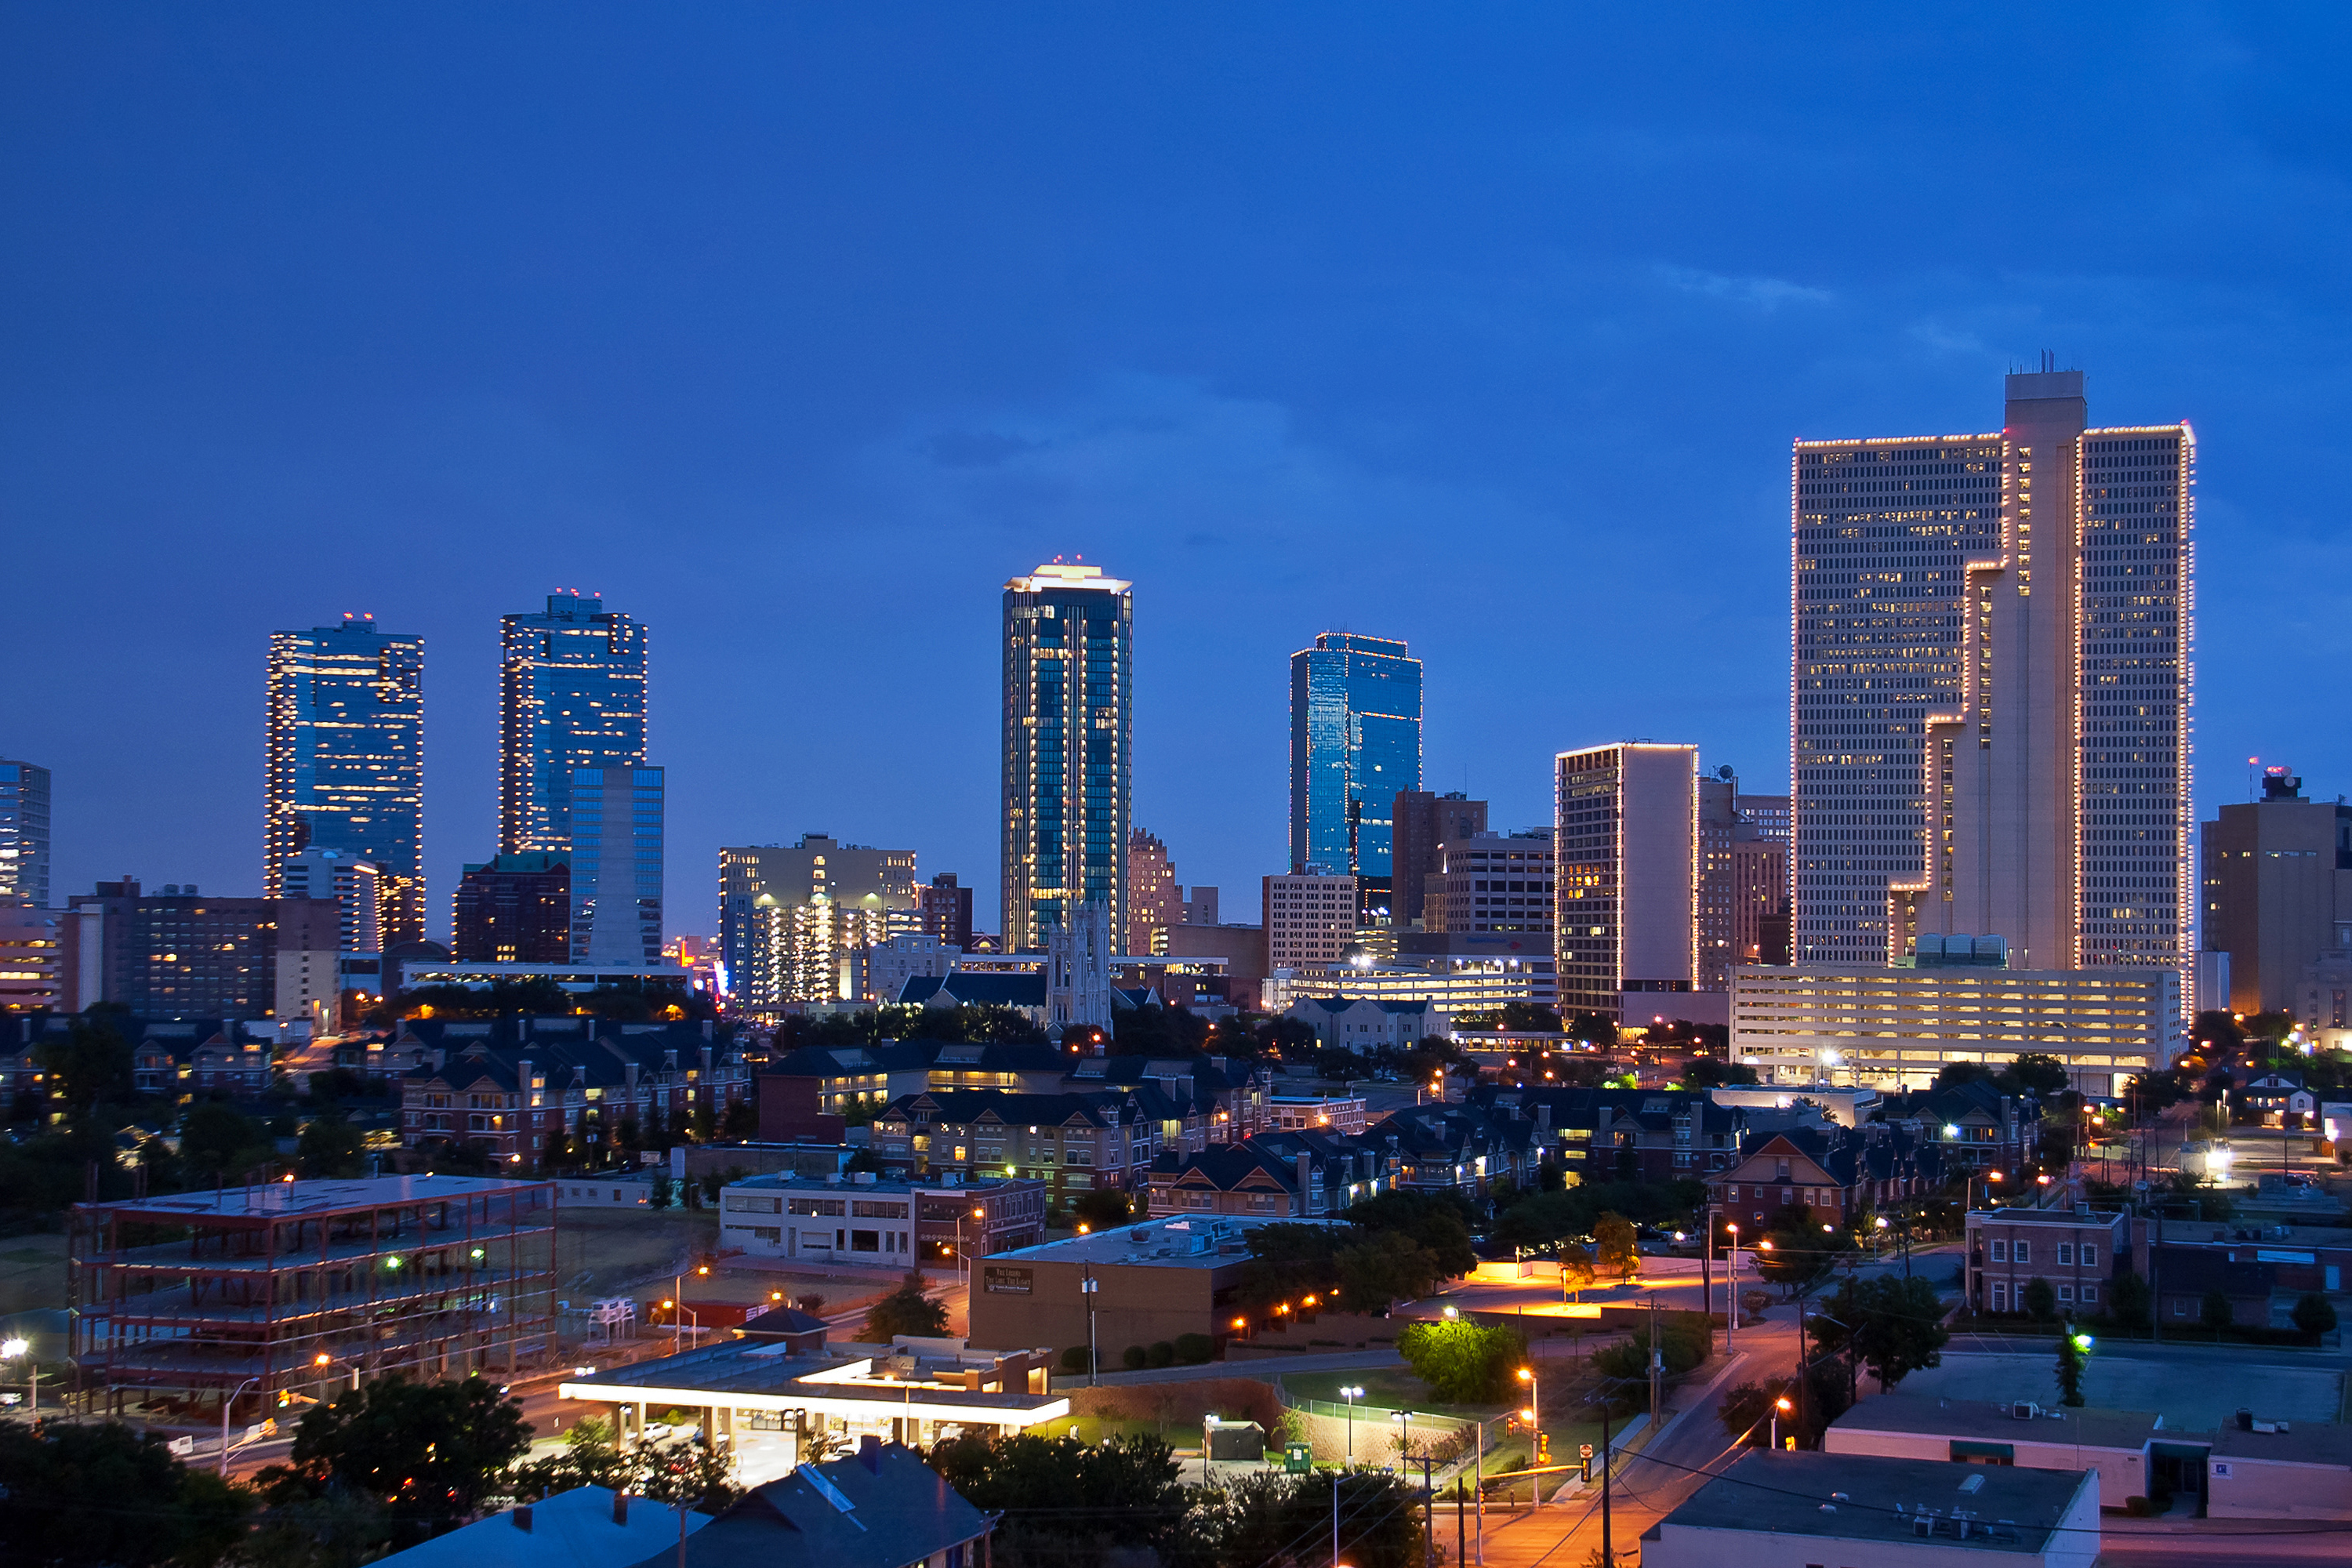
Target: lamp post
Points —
{"points": [[1779, 1407], [1731, 1292], [225, 1403], [1352, 1395], [1535, 1430], [1404, 1443], [1087, 1287]]}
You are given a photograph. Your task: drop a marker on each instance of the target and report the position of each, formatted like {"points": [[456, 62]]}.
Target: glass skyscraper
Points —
{"points": [[616, 867], [1069, 710], [571, 695], [25, 832], [346, 760], [1355, 743]]}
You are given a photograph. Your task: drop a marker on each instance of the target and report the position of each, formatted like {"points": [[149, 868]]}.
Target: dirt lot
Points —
{"points": [[32, 1273], [641, 1253]]}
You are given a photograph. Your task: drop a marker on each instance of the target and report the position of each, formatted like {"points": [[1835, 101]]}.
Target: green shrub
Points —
{"points": [[2314, 1313], [1194, 1349], [2137, 1507], [1162, 1353], [1073, 1360], [1134, 1358]]}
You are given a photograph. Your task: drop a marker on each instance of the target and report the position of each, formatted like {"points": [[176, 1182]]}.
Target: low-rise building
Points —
{"points": [[1341, 1022], [861, 1217], [1830, 1174], [2077, 1250], [1151, 1282], [882, 1507], [1850, 1507], [1073, 1142], [1300, 1174]]}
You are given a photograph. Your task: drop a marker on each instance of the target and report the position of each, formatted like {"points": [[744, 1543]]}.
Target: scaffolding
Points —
{"points": [[286, 1291]]}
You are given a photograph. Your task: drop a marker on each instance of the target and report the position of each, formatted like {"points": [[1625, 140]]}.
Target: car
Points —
{"points": [[655, 1431]]}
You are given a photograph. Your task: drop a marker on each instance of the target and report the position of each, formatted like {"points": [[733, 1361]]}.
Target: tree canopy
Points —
{"points": [[1065, 1502], [106, 1496], [429, 1452], [906, 1310], [1464, 1363], [1893, 1325]]}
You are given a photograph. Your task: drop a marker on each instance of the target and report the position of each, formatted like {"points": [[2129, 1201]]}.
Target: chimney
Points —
{"points": [[522, 1518], [869, 1452], [1305, 1164], [620, 1507]]}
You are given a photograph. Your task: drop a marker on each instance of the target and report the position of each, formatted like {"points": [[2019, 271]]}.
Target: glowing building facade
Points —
{"points": [[1626, 868], [24, 833], [756, 877], [616, 867], [571, 695], [346, 760], [1355, 745], [1992, 684], [1069, 711]]}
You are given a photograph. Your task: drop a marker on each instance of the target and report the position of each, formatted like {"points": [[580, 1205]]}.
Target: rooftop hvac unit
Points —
{"points": [[2024, 1410]]}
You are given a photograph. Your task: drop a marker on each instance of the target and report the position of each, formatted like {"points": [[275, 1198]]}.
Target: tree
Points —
{"points": [[1438, 1221], [1575, 1269], [1614, 1244], [1463, 1363], [1279, 1519], [1385, 1268], [2036, 1072], [1685, 1340], [1063, 1501], [1952, 1075], [1103, 1207], [92, 1065], [2073, 1356], [688, 1473], [429, 1452], [2040, 1300], [218, 1142], [2314, 1313], [1712, 1072], [2215, 1311], [1894, 1326], [1798, 1253], [1529, 1018], [106, 1496], [2130, 1300], [741, 1123], [329, 1146], [664, 1191], [906, 1310]]}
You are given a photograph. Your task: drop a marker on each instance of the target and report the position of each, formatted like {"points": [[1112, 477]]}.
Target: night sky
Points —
{"points": [[796, 330]]}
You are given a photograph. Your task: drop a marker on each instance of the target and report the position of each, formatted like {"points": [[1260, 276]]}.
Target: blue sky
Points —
{"points": [[797, 330]]}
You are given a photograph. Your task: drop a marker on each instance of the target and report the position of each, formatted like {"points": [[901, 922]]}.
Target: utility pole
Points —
{"points": [[1607, 1555], [1461, 1525], [1335, 1519], [1428, 1516], [1657, 1362], [1087, 1287]]}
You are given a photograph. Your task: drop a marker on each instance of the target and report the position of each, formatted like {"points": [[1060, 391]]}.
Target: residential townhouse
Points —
{"points": [[854, 1079], [1302, 1174], [1217, 1100], [1625, 1134], [172, 1059], [1073, 1142], [507, 1088], [2077, 1250], [1831, 1174], [1979, 1127], [1361, 1024], [1463, 1148]]}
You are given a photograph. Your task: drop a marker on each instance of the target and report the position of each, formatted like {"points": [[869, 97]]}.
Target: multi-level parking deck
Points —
{"points": [[289, 1289]]}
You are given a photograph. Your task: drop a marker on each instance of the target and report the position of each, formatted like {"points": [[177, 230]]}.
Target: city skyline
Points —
{"points": [[1333, 371]]}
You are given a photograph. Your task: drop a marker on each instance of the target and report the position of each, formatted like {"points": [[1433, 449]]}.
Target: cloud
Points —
{"points": [[1764, 293]]}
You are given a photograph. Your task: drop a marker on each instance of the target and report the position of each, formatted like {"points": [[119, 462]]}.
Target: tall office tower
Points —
{"points": [[1069, 720], [173, 953], [25, 832], [1310, 918], [1154, 901], [515, 909], [1199, 908], [1991, 688], [352, 883], [1355, 742], [1768, 815], [946, 911], [616, 867], [1626, 828], [571, 694], [346, 764], [2278, 894], [753, 877], [1719, 828], [1426, 823]]}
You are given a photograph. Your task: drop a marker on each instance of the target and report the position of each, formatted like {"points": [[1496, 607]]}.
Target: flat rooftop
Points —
{"points": [[1865, 1498], [2305, 1441], [1204, 1241], [896, 1187], [754, 1374], [293, 1200]]}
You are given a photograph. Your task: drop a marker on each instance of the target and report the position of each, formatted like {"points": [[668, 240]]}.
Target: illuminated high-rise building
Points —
{"points": [[571, 695], [616, 866], [346, 760], [1991, 688], [24, 833], [1626, 873], [1154, 901], [1355, 745], [1069, 715]]}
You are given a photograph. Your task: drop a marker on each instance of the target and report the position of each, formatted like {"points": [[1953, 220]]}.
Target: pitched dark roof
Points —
{"points": [[880, 1507]]}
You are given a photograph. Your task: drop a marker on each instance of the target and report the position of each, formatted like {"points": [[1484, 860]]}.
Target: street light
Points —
{"points": [[225, 1405], [1404, 1443], [1352, 1395], [1731, 1292], [1779, 1407], [1535, 1427]]}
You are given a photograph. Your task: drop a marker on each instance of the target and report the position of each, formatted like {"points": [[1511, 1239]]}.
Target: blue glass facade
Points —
{"points": [[1068, 726], [571, 695], [346, 760], [616, 866], [1355, 742], [25, 832]]}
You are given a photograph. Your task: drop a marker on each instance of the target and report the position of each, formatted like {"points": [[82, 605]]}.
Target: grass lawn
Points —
{"points": [[1396, 1388], [32, 1273], [1093, 1429]]}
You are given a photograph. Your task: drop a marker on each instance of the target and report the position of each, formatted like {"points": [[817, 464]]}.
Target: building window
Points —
{"points": [[2090, 1294], [2066, 1252], [2066, 1293], [1999, 1297], [2090, 1260], [2000, 1252], [865, 1241], [2024, 1252]]}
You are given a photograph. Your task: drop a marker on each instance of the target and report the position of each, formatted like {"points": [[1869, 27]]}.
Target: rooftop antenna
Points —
{"points": [[2253, 767]]}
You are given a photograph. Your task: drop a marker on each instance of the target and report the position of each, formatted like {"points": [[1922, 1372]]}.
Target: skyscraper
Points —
{"points": [[1355, 745], [1626, 882], [2278, 895], [1070, 713], [1422, 825], [346, 760], [571, 694], [25, 832], [1991, 688], [515, 909], [616, 867], [1154, 901], [756, 877]]}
